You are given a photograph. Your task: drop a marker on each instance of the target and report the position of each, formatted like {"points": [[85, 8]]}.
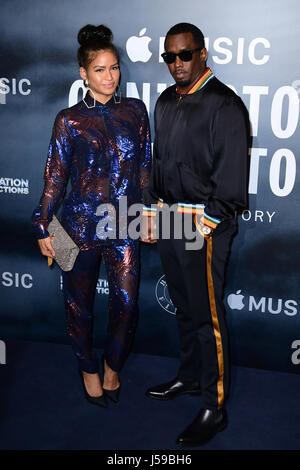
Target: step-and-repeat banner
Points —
{"points": [[254, 47]]}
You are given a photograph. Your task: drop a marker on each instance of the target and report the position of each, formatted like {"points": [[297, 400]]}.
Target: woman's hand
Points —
{"points": [[46, 247], [148, 230], [148, 240]]}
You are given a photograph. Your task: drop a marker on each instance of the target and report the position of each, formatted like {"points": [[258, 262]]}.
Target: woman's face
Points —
{"points": [[103, 75]]}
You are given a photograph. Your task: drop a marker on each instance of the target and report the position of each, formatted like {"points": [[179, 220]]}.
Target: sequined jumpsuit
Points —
{"points": [[105, 152]]}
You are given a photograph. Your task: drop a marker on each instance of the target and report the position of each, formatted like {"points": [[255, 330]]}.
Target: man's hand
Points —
{"points": [[46, 247], [148, 230]]}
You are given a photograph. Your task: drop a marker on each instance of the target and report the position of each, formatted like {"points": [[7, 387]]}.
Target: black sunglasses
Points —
{"points": [[185, 56]]}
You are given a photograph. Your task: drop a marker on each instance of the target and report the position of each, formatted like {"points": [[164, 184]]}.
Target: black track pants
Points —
{"points": [[195, 281]]}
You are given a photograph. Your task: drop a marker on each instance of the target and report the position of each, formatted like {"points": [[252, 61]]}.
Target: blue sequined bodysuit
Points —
{"points": [[105, 151]]}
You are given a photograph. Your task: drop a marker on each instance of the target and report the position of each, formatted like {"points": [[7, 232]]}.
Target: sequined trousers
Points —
{"points": [[121, 258]]}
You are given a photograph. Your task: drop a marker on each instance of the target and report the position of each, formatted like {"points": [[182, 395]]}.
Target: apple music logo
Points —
{"points": [[237, 301], [137, 47]]}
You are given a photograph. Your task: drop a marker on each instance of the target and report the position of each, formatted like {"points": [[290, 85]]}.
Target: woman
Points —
{"points": [[103, 145]]}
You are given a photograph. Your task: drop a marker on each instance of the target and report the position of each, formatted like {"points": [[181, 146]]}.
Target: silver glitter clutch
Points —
{"points": [[65, 249]]}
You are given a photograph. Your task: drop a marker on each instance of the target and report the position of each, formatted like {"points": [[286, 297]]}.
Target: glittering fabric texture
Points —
{"points": [[122, 265], [105, 152]]}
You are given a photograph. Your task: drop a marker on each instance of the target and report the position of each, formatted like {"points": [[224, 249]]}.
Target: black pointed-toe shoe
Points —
{"points": [[113, 395], [204, 427], [173, 389], [100, 401]]}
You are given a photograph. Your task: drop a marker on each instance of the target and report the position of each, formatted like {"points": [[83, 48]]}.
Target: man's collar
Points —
{"points": [[199, 83]]}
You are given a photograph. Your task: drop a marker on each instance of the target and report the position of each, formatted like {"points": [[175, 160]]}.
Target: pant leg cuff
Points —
{"points": [[92, 367]]}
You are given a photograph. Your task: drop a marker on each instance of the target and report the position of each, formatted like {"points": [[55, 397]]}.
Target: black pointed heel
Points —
{"points": [[113, 395], [99, 401]]}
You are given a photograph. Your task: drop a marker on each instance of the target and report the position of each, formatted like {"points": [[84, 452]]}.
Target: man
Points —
{"points": [[200, 163]]}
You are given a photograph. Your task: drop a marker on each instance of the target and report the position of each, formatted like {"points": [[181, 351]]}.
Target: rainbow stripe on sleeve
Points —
{"points": [[150, 211], [185, 208]]}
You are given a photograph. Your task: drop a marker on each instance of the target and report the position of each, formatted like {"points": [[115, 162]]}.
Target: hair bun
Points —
{"points": [[93, 33]]}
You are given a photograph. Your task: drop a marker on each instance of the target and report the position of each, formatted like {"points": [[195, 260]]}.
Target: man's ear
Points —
{"points": [[203, 54]]}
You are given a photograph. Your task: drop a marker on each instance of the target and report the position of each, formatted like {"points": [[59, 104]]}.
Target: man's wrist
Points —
{"points": [[209, 223], [206, 230]]}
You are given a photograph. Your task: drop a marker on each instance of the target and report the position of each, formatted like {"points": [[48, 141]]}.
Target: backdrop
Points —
{"points": [[253, 47]]}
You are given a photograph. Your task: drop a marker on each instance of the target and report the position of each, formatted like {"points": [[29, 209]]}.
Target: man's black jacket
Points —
{"points": [[201, 150]]}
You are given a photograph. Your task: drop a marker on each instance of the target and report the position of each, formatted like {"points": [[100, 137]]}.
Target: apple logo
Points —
{"points": [[235, 301], [137, 47]]}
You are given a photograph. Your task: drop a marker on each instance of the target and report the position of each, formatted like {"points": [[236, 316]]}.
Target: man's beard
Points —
{"points": [[183, 83]]}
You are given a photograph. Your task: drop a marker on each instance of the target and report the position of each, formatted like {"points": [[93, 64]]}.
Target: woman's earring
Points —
{"points": [[116, 97], [86, 84]]}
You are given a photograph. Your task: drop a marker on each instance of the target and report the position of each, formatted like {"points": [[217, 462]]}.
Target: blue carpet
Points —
{"points": [[42, 406]]}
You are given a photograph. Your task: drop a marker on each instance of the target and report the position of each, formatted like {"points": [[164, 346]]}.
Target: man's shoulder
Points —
{"points": [[223, 99], [214, 87], [218, 88], [221, 92]]}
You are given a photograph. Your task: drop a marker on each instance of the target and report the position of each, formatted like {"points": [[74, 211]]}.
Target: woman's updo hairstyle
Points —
{"points": [[93, 39]]}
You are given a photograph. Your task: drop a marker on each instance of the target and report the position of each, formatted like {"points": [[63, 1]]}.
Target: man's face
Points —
{"points": [[185, 73]]}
